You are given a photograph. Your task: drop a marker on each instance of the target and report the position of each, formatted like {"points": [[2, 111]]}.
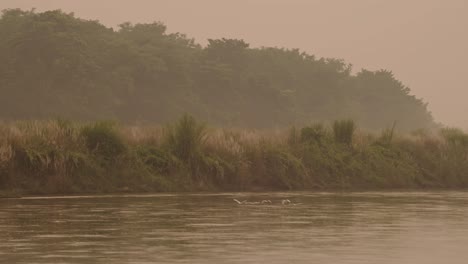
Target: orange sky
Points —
{"points": [[424, 42]]}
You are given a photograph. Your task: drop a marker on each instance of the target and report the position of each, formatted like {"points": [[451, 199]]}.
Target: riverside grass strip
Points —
{"points": [[66, 157]]}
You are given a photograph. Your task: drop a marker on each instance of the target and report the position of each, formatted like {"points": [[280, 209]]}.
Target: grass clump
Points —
{"points": [[103, 139], [343, 131], [455, 138], [186, 138], [387, 136], [316, 133]]}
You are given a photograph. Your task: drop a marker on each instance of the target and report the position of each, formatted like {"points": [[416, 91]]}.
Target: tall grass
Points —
{"points": [[60, 156], [103, 139], [343, 130], [186, 138], [387, 135]]}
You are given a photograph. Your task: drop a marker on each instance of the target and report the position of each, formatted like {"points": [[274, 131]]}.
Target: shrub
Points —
{"points": [[343, 131], [103, 139], [155, 158], [315, 132]]}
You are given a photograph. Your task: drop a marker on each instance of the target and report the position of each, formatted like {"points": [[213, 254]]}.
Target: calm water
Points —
{"points": [[373, 228]]}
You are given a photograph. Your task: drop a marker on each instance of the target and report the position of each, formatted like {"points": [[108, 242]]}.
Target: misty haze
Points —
{"points": [[233, 131]]}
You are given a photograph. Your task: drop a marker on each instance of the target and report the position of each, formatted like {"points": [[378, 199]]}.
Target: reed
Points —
{"points": [[59, 156], [343, 130]]}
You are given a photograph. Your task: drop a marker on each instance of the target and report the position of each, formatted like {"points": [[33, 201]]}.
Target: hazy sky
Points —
{"points": [[424, 42]]}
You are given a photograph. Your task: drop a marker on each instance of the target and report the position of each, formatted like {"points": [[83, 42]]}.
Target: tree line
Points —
{"points": [[54, 64]]}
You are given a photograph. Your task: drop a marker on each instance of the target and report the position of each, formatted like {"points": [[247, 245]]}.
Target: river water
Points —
{"points": [[372, 227]]}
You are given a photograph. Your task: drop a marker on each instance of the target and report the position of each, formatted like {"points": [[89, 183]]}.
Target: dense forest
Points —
{"points": [[57, 65]]}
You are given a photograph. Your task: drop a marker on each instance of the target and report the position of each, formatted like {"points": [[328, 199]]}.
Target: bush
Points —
{"points": [[103, 139], [156, 159], [343, 131], [315, 132]]}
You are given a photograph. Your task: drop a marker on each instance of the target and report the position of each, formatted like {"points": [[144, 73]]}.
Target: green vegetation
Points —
{"points": [[55, 65], [59, 156], [139, 74], [343, 131]]}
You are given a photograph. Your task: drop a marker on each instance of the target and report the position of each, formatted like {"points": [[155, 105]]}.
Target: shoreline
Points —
{"points": [[223, 192]]}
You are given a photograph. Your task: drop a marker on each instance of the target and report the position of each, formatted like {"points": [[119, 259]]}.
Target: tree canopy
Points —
{"points": [[57, 65]]}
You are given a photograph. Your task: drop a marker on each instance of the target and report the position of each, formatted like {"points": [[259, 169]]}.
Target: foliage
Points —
{"points": [[103, 139], [343, 131], [54, 62], [455, 137], [313, 133], [61, 156], [387, 136], [186, 138]]}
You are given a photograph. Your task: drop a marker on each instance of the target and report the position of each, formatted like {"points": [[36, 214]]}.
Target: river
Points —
{"points": [[366, 227]]}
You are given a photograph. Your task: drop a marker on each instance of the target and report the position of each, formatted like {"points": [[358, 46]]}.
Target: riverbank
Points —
{"points": [[62, 157]]}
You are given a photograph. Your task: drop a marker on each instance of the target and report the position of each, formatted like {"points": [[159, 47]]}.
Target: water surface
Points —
{"points": [[377, 227]]}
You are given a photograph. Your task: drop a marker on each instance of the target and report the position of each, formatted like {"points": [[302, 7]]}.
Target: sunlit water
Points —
{"points": [[378, 227]]}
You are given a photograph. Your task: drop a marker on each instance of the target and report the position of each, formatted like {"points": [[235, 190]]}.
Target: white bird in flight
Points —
{"points": [[283, 202]]}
